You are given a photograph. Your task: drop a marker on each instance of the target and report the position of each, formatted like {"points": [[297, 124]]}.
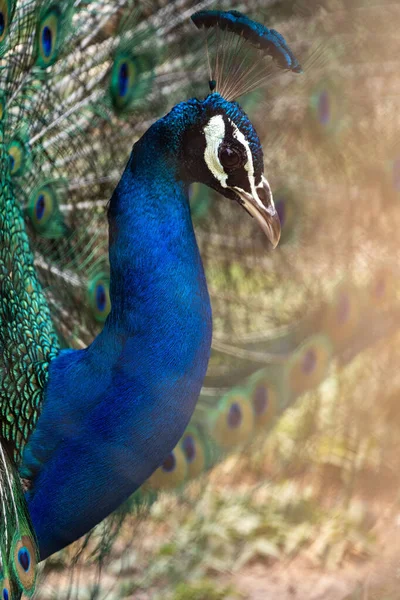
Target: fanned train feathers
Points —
{"points": [[78, 87]]}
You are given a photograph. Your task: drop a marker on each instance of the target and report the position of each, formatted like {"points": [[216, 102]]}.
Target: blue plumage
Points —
{"points": [[113, 411], [122, 403]]}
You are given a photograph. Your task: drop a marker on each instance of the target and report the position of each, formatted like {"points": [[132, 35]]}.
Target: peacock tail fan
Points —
{"points": [[78, 87]]}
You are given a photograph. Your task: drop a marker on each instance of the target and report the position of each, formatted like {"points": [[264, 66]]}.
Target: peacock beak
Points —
{"points": [[261, 205]]}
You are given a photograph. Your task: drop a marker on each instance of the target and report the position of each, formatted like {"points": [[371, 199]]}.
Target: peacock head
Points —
{"points": [[221, 149]]}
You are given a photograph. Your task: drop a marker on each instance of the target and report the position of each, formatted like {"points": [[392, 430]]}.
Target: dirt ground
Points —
{"points": [[299, 579], [358, 578], [292, 582], [376, 579]]}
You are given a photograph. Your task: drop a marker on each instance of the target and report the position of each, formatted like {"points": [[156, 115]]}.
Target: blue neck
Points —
{"points": [[113, 412]]}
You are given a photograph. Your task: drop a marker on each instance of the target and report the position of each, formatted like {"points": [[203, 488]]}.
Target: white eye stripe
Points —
{"points": [[215, 133], [249, 166]]}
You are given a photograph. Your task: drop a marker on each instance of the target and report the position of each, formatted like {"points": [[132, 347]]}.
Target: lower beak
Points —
{"points": [[261, 206]]}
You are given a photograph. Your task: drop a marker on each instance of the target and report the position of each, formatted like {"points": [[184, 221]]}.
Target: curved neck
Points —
{"points": [[152, 244], [113, 412]]}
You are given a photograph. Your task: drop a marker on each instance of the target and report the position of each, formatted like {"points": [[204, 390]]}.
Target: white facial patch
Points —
{"points": [[249, 167], [215, 132]]}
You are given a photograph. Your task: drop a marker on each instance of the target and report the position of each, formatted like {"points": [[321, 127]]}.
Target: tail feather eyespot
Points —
{"points": [[171, 473], [308, 365], [233, 421], [24, 561]]}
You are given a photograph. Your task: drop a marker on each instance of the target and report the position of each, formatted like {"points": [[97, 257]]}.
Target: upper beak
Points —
{"points": [[261, 206]]}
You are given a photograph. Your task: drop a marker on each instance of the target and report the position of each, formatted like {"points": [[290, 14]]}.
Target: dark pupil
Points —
{"points": [[123, 79], [40, 206], [189, 448], [2, 23], [12, 162], [234, 416], [101, 298], [229, 157], [5, 594], [24, 559], [47, 40], [169, 463]]}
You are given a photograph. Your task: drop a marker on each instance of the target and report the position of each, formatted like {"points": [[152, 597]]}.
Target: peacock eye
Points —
{"points": [[231, 157]]}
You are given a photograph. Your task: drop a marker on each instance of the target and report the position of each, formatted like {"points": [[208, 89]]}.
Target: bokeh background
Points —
{"points": [[286, 484]]}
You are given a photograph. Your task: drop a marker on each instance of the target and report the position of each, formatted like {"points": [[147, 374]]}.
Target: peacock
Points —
{"points": [[80, 85], [100, 420]]}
